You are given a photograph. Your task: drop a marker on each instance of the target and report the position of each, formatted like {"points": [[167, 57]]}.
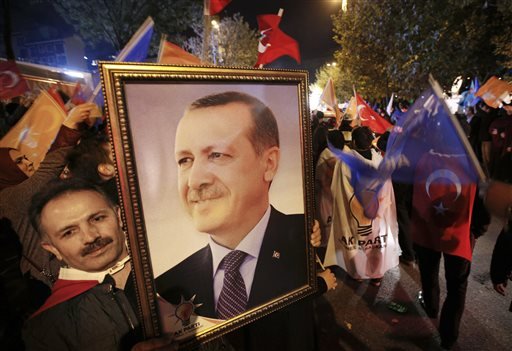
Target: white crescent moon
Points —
{"points": [[359, 109], [14, 78], [447, 174], [262, 48]]}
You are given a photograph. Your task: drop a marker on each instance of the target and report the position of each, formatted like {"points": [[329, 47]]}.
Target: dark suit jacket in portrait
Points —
{"points": [[281, 268]]}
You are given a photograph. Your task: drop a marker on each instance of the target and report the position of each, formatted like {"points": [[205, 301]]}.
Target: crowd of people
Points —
{"points": [[412, 238], [58, 288]]}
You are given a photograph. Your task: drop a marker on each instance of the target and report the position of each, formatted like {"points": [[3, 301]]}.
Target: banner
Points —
{"points": [[12, 83], [364, 247]]}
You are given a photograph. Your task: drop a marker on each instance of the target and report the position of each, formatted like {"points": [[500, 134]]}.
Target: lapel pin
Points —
{"points": [[276, 254]]}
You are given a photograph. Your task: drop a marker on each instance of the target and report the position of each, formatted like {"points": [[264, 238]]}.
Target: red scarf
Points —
{"points": [[64, 290]]}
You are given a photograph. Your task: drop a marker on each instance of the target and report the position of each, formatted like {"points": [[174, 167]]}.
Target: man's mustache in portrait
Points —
{"points": [[209, 192]]}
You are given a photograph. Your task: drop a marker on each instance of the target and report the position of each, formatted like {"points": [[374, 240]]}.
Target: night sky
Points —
{"points": [[307, 21]]}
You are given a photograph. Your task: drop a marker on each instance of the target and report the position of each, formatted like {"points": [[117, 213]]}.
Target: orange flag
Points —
{"points": [[172, 54], [495, 91], [35, 131]]}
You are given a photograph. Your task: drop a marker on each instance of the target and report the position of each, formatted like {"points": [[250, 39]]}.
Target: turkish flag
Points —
{"points": [[442, 204], [370, 118], [213, 7], [274, 43], [12, 83]]}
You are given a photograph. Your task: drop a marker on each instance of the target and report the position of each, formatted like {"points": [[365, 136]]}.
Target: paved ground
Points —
{"points": [[356, 315]]}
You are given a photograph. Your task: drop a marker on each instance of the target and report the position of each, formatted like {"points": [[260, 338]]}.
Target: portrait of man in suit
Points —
{"points": [[227, 153]]}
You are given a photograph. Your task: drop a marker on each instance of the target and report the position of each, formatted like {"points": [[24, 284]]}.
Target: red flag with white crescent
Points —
{"points": [[442, 204], [12, 83], [213, 7], [370, 118], [274, 43]]}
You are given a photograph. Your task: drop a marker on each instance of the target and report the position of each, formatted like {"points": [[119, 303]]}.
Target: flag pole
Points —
{"points": [[163, 38], [462, 136], [319, 262], [207, 28], [357, 110]]}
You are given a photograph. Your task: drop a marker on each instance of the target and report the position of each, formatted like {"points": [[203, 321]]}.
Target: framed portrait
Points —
{"points": [[214, 172]]}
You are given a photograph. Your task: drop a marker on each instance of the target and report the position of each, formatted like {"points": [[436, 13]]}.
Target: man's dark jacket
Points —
{"points": [[101, 318]]}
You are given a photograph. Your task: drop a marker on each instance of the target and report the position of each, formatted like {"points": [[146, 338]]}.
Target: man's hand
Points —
{"points": [[157, 344], [330, 279], [501, 288], [316, 236], [79, 114]]}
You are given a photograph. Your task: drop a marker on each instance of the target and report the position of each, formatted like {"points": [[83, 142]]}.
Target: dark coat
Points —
{"points": [[101, 318]]}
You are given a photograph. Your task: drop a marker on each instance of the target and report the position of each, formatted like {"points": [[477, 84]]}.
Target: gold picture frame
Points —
{"points": [[144, 103]]}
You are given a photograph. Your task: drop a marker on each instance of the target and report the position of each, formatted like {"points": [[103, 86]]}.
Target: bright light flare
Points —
{"points": [[74, 74], [314, 97]]}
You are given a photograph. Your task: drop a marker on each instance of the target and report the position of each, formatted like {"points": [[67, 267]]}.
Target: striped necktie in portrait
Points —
{"points": [[233, 296]]}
